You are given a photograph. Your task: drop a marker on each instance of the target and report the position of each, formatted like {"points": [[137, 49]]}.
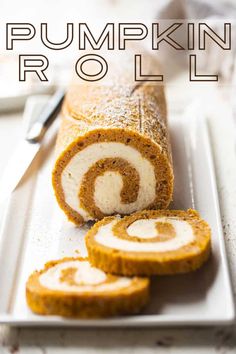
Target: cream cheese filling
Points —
{"points": [[108, 186], [87, 277], [184, 236]]}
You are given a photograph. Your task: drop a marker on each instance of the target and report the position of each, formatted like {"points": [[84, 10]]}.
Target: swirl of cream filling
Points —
{"points": [[85, 278], [146, 228], [108, 186]]}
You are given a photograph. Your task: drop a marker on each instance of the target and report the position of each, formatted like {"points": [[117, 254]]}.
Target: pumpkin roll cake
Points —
{"points": [[113, 151], [150, 242], [71, 287]]}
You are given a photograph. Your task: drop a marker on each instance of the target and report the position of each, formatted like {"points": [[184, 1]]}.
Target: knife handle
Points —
{"points": [[46, 118]]}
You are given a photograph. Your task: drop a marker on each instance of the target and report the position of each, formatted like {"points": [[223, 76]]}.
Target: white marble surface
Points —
{"points": [[184, 340]]}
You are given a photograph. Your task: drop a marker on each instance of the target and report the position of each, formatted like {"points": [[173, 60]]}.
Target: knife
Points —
{"points": [[29, 146]]}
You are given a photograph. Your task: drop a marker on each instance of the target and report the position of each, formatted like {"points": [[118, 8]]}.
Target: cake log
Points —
{"points": [[113, 150]]}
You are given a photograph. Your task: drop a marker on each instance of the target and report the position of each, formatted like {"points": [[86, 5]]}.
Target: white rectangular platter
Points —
{"points": [[35, 231]]}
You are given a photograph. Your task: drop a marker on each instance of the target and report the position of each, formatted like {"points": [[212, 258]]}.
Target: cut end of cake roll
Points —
{"points": [[154, 242], [113, 149], [71, 287], [112, 171]]}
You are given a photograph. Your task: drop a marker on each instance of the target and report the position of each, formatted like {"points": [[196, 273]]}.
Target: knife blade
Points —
{"points": [[29, 146]]}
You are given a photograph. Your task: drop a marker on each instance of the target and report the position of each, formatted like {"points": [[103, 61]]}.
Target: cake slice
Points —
{"points": [[71, 287], [150, 242]]}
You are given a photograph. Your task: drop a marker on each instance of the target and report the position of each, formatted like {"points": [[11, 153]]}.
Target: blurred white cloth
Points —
{"points": [[196, 9], [213, 59]]}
